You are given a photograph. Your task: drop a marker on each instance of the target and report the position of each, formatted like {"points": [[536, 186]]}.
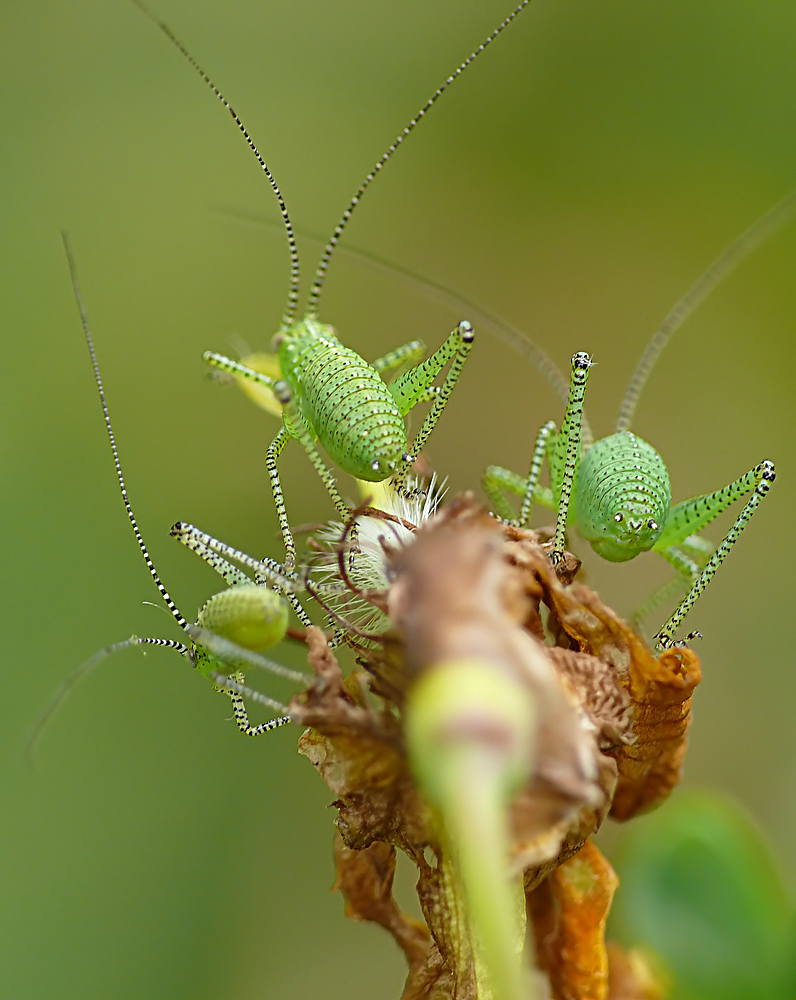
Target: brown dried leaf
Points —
{"points": [[568, 913], [651, 766], [649, 723], [631, 977], [365, 878]]}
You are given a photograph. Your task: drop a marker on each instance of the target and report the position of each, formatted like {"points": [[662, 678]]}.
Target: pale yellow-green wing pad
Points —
{"points": [[265, 364], [381, 495]]}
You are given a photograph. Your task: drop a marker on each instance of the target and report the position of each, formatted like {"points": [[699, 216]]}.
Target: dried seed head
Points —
{"points": [[494, 658]]}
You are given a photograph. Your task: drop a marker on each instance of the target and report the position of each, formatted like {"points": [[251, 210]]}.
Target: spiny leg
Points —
{"points": [[689, 558], [759, 480], [236, 689], [242, 718], [406, 354], [232, 684], [187, 534], [691, 516], [214, 553], [225, 364], [274, 449], [565, 455], [544, 442], [297, 427], [497, 480], [284, 579], [409, 389]]}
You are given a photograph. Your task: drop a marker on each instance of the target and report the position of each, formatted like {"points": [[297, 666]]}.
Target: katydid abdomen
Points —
{"points": [[346, 404]]}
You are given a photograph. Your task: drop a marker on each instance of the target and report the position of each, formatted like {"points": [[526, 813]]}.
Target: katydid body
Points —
{"points": [[330, 394]]}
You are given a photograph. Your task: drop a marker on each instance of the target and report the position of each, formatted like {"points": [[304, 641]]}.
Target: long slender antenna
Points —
{"points": [[78, 674], [292, 299], [320, 273], [139, 538], [749, 240]]}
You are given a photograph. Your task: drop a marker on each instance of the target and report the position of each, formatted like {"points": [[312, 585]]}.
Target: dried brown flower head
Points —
{"points": [[599, 728]]}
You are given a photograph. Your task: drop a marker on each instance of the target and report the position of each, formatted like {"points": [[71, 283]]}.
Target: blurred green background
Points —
{"points": [[578, 178]]}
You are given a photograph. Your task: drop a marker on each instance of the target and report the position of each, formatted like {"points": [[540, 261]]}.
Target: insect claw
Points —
{"points": [[663, 641]]}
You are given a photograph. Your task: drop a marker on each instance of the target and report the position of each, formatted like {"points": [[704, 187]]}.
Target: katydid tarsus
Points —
{"points": [[327, 392], [616, 490], [233, 627]]}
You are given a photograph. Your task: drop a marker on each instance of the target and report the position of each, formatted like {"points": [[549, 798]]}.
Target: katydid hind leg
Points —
{"points": [[414, 385], [763, 476], [497, 481]]}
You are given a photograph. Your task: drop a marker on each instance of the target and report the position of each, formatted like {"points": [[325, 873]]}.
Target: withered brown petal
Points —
{"points": [[569, 912]]}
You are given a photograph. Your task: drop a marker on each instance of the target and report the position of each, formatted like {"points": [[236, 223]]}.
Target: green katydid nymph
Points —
{"points": [[328, 393], [620, 485]]}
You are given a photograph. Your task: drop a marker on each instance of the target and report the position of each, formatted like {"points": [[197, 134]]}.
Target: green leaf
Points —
{"points": [[698, 884]]}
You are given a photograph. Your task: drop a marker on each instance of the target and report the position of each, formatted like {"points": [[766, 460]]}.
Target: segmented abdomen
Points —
{"points": [[623, 494], [347, 404]]}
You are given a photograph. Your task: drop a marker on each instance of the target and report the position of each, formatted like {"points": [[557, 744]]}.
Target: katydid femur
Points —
{"points": [[327, 392], [233, 627], [620, 485]]}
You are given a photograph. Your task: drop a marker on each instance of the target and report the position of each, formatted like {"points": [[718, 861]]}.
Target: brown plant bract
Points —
{"points": [[611, 726]]}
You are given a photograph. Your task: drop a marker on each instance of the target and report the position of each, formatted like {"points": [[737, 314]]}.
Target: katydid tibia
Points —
{"points": [[327, 392], [620, 484]]}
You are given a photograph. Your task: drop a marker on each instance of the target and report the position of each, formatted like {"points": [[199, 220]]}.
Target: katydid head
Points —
{"points": [[627, 534], [623, 497]]}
